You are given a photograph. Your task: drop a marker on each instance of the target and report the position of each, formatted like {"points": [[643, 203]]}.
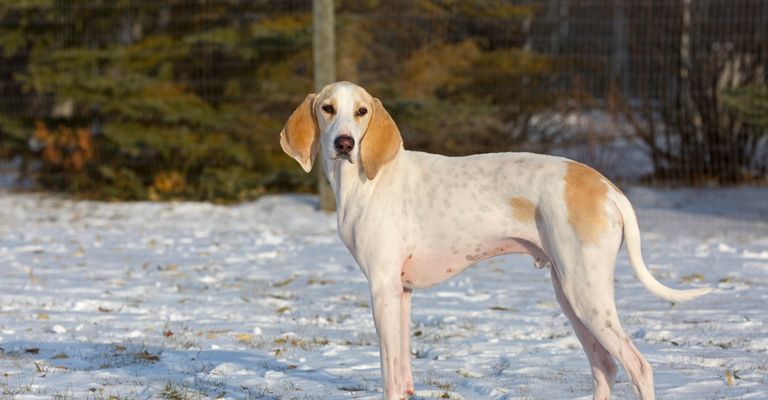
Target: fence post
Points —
{"points": [[620, 49], [323, 49]]}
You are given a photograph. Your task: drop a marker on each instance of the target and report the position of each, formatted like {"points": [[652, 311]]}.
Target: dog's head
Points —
{"points": [[344, 123]]}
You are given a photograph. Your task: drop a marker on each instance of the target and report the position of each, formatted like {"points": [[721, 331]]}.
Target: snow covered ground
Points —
{"points": [[262, 301]]}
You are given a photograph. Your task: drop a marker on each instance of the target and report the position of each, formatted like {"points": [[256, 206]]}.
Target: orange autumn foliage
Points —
{"points": [[67, 148]]}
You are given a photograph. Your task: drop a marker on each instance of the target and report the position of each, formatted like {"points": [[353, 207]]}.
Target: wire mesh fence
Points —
{"points": [[184, 99]]}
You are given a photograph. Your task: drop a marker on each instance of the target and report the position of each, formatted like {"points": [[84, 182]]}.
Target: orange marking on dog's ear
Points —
{"points": [[585, 194], [299, 137], [523, 209], [381, 141]]}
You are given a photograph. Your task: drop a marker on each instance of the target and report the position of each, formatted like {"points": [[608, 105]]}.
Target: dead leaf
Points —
{"points": [[282, 296], [546, 304], [468, 374], [214, 333], [283, 283], [32, 277], [502, 308], [728, 377], [169, 267], [146, 356], [695, 277], [244, 337], [321, 282]]}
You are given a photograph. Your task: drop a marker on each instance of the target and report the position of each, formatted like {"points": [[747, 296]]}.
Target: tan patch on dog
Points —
{"points": [[381, 141], [585, 193], [299, 137], [523, 209]]}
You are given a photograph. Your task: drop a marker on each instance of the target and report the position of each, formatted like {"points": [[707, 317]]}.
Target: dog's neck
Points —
{"points": [[348, 180]]}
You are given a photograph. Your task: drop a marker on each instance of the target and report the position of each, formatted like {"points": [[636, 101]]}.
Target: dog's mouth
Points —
{"points": [[347, 157]]}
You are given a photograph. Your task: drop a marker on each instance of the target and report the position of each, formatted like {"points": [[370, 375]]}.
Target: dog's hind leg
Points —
{"points": [[603, 367], [586, 283]]}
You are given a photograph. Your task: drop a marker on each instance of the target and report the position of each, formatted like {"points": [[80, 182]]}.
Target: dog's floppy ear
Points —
{"points": [[299, 137], [381, 141]]}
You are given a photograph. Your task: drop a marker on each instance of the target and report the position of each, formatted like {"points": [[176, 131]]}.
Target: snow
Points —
{"points": [[262, 301]]}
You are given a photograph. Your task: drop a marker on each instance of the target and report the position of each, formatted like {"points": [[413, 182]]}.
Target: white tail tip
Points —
{"points": [[698, 292], [680, 296]]}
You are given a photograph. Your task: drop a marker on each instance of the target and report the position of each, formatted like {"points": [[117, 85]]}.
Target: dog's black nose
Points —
{"points": [[344, 144]]}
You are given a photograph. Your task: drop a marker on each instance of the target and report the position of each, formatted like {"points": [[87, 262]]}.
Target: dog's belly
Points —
{"points": [[423, 269]]}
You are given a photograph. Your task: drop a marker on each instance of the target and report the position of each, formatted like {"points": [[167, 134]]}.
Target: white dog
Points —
{"points": [[413, 220]]}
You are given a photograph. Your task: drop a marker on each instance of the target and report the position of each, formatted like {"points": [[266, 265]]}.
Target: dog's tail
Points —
{"points": [[632, 238]]}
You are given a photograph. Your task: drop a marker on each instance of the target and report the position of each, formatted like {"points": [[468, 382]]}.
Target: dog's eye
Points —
{"points": [[329, 109], [361, 111]]}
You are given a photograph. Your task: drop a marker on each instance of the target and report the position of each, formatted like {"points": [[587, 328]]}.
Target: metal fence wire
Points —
{"points": [[184, 99]]}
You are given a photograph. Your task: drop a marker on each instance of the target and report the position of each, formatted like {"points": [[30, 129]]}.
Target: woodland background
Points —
{"points": [[140, 99]]}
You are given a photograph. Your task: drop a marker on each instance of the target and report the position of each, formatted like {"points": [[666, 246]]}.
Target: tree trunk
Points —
{"points": [[325, 72]]}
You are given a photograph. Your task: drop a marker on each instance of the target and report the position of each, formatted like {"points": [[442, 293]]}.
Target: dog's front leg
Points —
{"points": [[405, 340], [386, 296]]}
